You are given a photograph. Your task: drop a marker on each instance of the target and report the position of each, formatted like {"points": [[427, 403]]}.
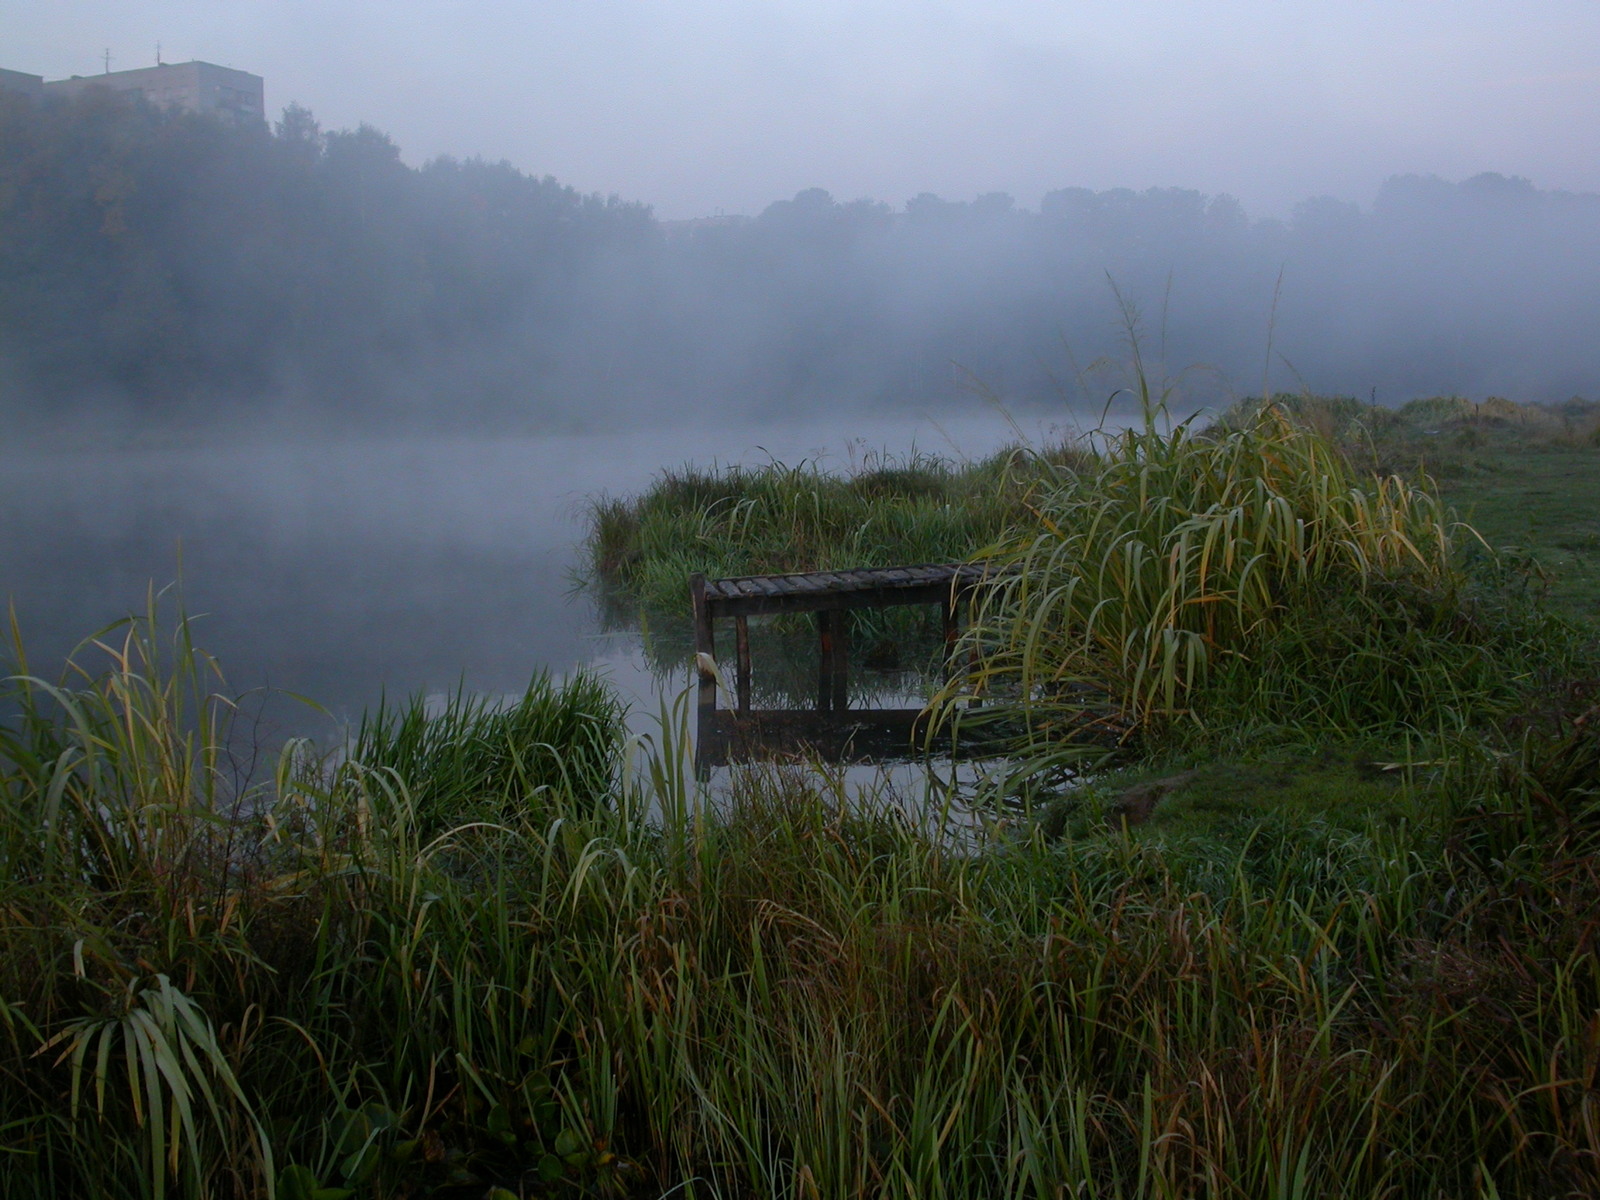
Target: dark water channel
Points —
{"points": [[343, 570]]}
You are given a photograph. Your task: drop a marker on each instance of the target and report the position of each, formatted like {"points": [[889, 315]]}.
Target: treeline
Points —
{"points": [[1479, 288], [165, 260], [160, 263]]}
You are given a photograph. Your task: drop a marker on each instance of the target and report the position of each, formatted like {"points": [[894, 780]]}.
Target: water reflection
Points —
{"points": [[341, 571]]}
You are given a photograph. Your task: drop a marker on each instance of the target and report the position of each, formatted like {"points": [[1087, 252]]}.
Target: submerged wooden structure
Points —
{"points": [[830, 728]]}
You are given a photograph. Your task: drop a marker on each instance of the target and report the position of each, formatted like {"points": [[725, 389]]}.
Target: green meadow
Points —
{"points": [[1284, 886]]}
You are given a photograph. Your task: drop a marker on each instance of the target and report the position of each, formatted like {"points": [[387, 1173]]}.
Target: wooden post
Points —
{"points": [[973, 660], [839, 665], [824, 660], [741, 627], [704, 644]]}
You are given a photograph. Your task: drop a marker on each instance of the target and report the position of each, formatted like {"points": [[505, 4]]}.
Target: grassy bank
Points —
{"points": [[769, 519], [1327, 929], [775, 518], [1522, 476], [1293, 565], [802, 996]]}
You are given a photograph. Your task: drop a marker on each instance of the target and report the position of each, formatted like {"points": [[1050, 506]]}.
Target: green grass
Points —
{"points": [[800, 994], [465, 757], [1523, 475], [776, 518], [497, 952], [1543, 503]]}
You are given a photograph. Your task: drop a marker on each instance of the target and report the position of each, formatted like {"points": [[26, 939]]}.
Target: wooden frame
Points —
{"points": [[830, 728]]}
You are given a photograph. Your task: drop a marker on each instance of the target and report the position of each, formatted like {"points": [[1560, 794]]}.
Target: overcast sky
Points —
{"points": [[696, 106]]}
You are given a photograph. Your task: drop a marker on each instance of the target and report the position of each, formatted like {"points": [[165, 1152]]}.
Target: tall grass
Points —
{"points": [[1241, 577], [223, 987], [465, 756]]}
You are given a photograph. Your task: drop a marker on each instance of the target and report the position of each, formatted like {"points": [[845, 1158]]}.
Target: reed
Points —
{"points": [[1242, 578], [463, 756], [306, 985]]}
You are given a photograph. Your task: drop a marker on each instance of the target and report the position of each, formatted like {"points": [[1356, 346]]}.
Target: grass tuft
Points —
{"points": [[1244, 579]]}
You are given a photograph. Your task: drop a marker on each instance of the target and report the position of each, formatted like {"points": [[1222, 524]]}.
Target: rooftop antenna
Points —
{"points": [[108, 60]]}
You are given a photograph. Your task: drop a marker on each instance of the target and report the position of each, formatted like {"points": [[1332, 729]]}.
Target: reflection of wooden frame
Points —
{"points": [[831, 728]]}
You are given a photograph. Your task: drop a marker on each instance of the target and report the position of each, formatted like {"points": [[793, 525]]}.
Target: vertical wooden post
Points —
{"points": [[705, 657], [741, 627], [704, 644], [833, 660], [824, 660], [973, 660], [839, 662]]}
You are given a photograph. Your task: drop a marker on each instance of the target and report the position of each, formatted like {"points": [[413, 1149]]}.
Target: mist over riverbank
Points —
{"points": [[159, 270], [343, 568]]}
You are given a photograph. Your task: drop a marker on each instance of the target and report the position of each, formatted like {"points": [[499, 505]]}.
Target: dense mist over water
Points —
{"points": [[343, 568], [161, 269], [357, 406]]}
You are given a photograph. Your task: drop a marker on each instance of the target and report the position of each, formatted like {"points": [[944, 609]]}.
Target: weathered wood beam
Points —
{"points": [[741, 629]]}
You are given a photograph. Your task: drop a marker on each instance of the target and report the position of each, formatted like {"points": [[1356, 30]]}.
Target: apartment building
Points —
{"points": [[200, 87]]}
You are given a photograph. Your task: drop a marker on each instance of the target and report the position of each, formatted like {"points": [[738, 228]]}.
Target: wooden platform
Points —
{"points": [[831, 728]]}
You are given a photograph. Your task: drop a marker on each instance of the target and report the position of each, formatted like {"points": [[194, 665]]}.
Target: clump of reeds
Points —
{"points": [[1245, 575], [466, 756], [218, 985], [214, 987]]}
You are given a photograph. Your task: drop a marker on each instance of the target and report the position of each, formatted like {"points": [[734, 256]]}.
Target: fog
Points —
{"points": [[341, 569], [698, 105], [355, 389], [160, 269]]}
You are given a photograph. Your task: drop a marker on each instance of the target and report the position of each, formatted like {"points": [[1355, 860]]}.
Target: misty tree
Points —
{"points": [[171, 265]]}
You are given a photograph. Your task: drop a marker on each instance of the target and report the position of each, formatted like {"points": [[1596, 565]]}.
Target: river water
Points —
{"points": [[341, 570]]}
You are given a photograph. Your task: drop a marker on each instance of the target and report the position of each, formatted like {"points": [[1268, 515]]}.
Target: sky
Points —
{"points": [[705, 106]]}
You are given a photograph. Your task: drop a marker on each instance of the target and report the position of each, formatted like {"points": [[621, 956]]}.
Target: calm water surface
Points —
{"points": [[343, 570]]}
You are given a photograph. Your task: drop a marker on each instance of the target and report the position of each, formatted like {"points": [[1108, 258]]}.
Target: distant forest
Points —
{"points": [[163, 266]]}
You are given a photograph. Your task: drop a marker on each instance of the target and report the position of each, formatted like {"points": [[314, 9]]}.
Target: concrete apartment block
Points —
{"points": [[195, 86], [19, 81]]}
